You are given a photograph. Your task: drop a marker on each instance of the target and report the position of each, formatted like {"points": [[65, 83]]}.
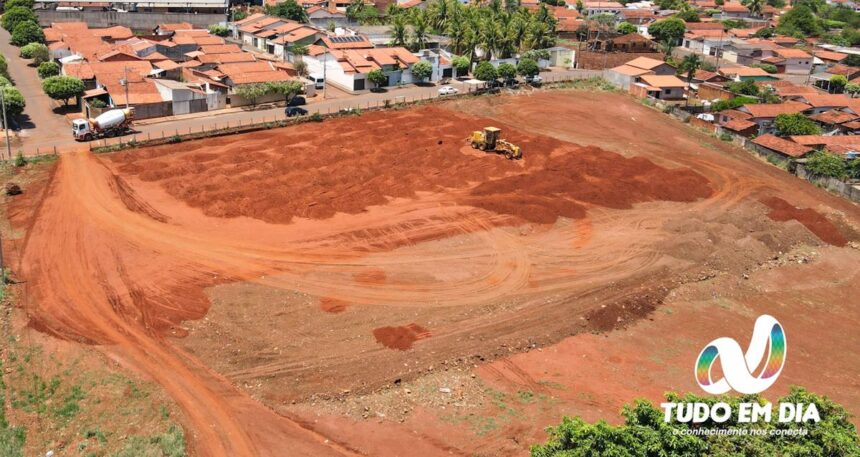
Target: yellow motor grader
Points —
{"points": [[488, 140]]}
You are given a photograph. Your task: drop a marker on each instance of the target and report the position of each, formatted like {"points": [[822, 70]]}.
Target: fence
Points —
{"points": [[277, 118]]}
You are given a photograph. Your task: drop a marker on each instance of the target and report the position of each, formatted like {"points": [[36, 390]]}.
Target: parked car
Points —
{"points": [[298, 100], [447, 90], [295, 111], [535, 80]]}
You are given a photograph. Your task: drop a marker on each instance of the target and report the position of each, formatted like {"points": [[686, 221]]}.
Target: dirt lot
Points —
{"points": [[336, 287]]}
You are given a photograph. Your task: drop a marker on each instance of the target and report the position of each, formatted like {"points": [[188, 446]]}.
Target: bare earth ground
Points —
{"points": [[361, 286]]}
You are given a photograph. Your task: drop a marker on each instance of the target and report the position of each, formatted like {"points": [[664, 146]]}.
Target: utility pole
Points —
{"points": [[8, 145], [325, 67], [125, 83]]}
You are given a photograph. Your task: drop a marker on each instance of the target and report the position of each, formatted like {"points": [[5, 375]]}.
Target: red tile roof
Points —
{"points": [[782, 146], [774, 110]]}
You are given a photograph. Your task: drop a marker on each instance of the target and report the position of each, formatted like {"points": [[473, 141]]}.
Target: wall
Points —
{"points": [[851, 192], [236, 100], [711, 92], [134, 21]]}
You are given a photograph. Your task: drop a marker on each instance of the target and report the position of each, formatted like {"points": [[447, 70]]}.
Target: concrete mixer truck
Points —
{"points": [[107, 124]]}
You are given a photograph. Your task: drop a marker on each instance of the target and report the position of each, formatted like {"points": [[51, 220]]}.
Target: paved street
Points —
{"points": [[39, 123], [62, 139]]}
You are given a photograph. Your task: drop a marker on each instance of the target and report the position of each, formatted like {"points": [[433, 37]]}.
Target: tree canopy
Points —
{"points": [[795, 124], [506, 71], [63, 87], [671, 29], [27, 32], [645, 433], [288, 9], [422, 70], [377, 77], [48, 69], [14, 101], [527, 67], [485, 71], [15, 15], [36, 51], [461, 64]]}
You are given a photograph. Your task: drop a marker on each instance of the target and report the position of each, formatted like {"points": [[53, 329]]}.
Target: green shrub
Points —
{"points": [[795, 124], [645, 433], [15, 103], [36, 51], [822, 163], [16, 15], [48, 69], [27, 32], [219, 30]]}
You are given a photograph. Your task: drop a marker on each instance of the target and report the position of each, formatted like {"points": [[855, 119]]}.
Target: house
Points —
{"points": [[781, 148], [819, 103], [440, 60], [734, 10], [593, 8], [829, 57], [834, 120], [746, 74], [765, 114], [827, 142], [797, 61], [626, 75], [321, 16], [661, 87], [347, 69], [170, 29], [741, 127], [184, 98], [708, 42]]}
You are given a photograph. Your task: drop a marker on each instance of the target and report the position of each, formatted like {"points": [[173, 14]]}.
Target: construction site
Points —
{"points": [[443, 279]]}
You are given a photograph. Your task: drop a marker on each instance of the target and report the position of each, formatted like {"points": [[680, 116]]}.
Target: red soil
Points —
{"points": [[346, 166], [370, 276], [781, 210], [333, 305], [400, 337]]}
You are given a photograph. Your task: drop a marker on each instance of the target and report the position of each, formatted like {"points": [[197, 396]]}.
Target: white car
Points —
{"points": [[447, 90]]}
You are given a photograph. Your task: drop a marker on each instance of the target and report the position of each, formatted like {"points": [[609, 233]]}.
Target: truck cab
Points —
{"points": [[81, 129]]}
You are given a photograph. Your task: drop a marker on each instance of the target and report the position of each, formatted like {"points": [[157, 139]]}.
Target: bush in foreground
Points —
{"points": [[645, 433], [48, 69]]}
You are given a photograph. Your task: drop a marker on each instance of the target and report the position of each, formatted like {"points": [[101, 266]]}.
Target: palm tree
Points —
{"points": [[419, 29], [354, 8], [755, 6], [690, 64], [398, 31]]}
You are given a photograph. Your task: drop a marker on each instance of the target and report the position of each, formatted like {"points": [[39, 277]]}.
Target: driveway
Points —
{"points": [[39, 123]]}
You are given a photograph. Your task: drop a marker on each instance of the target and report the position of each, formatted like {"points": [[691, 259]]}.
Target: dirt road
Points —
{"points": [[250, 272]]}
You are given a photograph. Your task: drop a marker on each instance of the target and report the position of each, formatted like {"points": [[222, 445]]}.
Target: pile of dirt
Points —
{"points": [[586, 175], [346, 165], [400, 337], [333, 305], [781, 210]]}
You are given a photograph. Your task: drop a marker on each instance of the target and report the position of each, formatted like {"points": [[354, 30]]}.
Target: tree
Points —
{"points": [[17, 15], [688, 14], [27, 32], [579, 6], [22, 3], [666, 47], [48, 69], [743, 88], [766, 32], [799, 19], [506, 71], [237, 14], [852, 89], [645, 433], [485, 71], [527, 68], [822, 163], [422, 70], [625, 28], [755, 6], [5, 81], [4, 66], [36, 51], [15, 103], [689, 65], [301, 67], [378, 78], [219, 30], [63, 87], [768, 67], [420, 28], [795, 124], [838, 83], [399, 34], [461, 65], [288, 89], [671, 29], [288, 9], [251, 92]]}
